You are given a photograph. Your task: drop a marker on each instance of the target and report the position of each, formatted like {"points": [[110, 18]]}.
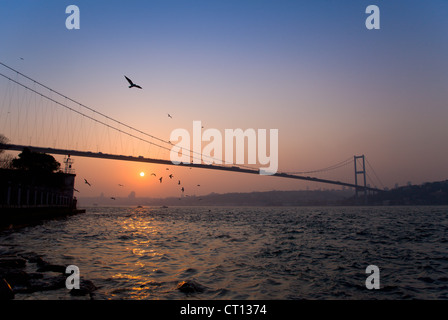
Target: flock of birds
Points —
{"points": [[171, 176], [133, 85]]}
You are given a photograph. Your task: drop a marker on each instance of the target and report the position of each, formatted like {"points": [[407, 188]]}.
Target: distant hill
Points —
{"points": [[431, 193]]}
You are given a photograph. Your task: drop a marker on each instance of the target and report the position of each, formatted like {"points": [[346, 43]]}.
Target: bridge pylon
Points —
{"points": [[362, 172]]}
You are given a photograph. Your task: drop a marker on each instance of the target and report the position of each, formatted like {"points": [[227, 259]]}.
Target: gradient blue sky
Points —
{"points": [[308, 68]]}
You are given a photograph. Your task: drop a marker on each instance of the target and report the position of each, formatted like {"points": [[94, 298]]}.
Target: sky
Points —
{"points": [[310, 69]]}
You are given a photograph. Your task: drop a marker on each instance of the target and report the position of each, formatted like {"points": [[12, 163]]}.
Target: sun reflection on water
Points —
{"points": [[145, 242]]}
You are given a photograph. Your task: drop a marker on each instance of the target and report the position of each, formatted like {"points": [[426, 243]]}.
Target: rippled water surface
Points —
{"points": [[247, 253]]}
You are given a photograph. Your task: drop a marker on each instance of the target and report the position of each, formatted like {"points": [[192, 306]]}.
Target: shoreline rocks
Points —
{"points": [[190, 286], [16, 277]]}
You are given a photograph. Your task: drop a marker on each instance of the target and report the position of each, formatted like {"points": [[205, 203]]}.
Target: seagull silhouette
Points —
{"points": [[160, 179], [169, 116], [112, 198], [153, 174], [171, 176], [87, 182], [132, 84], [183, 189], [120, 185]]}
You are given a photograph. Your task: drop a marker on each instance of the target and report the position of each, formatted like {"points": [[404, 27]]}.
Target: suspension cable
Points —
{"points": [[332, 167], [375, 173], [103, 123]]}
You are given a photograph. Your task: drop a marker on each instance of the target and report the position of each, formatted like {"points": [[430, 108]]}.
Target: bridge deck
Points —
{"points": [[169, 163]]}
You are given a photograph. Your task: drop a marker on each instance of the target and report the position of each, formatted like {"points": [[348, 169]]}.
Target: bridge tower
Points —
{"points": [[361, 171]]}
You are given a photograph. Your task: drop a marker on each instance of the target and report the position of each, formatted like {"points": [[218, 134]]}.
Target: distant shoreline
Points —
{"points": [[431, 193]]}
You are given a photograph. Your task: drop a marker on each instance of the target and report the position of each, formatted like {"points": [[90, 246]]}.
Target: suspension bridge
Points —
{"points": [[34, 111]]}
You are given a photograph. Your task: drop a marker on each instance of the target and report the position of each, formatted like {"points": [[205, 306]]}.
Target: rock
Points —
{"points": [[190, 286], [45, 284], [4, 250], [11, 262], [85, 287], [34, 258], [17, 277], [6, 292], [52, 267], [14, 279]]}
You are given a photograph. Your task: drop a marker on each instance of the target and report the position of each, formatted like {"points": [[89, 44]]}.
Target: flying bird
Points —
{"points": [[169, 116], [75, 190], [160, 179], [112, 198], [171, 176], [178, 182], [132, 84], [153, 174], [120, 185], [183, 189], [87, 182]]}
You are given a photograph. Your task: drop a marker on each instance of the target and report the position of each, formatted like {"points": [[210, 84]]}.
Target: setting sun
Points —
{"points": [[142, 174]]}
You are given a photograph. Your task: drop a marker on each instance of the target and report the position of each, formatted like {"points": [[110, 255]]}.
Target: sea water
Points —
{"points": [[246, 252]]}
